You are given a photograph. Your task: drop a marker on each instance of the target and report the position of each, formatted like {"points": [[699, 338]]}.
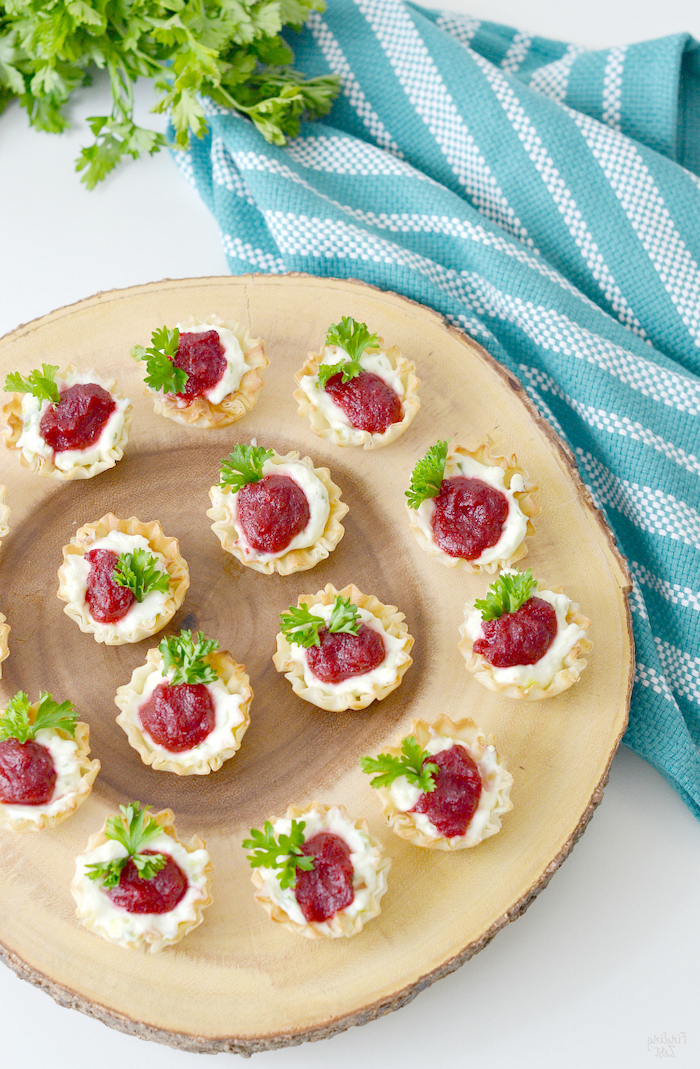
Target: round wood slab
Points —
{"points": [[240, 982]]}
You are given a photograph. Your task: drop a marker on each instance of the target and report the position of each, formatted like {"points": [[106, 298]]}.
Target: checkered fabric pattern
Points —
{"points": [[546, 200]]}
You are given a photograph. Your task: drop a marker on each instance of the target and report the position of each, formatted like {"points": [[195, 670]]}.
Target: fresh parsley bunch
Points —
{"points": [[387, 767], [506, 594], [302, 626], [228, 50], [353, 338], [134, 829], [284, 855], [16, 721]]}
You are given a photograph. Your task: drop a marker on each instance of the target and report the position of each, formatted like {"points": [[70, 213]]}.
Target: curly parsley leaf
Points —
{"points": [[507, 594], [16, 722], [141, 573], [244, 465], [39, 383], [161, 373], [284, 855], [427, 475], [134, 829], [344, 617], [389, 767], [353, 338], [186, 658], [300, 625]]}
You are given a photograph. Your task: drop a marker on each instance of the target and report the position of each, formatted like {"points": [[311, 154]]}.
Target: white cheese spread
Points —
{"points": [[235, 369]]}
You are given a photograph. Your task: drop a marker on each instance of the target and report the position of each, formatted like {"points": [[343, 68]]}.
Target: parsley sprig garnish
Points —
{"points": [[186, 658], [506, 594], [353, 338], [141, 573], [427, 475], [15, 722], [244, 465], [410, 765], [134, 829], [284, 855], [303, 627], [39, 383], [161, 372]]}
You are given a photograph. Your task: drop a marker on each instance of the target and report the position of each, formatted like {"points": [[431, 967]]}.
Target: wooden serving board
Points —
{"points": [[240, 982]]}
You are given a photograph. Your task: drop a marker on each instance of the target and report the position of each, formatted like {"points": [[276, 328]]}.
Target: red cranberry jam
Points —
{"points": [[453, 803], [342, 655], [27, 773], [327, 887], [107, 601], [203, 357], [469, 517], [272, 512], [178, 717], [520, 637], [369, 403], [160, 894], [79, 418]]}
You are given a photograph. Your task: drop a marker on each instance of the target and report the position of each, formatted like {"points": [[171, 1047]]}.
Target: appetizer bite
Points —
{"points": [[4, 515], [523, 640], [470, 509], [276, 513], [203, 374], [187, 709], [122, 580], [4, 633], [45, 771], [355, 392], [342, 649], [444, 787], [70, 426], [318, 872], [138, 886]]}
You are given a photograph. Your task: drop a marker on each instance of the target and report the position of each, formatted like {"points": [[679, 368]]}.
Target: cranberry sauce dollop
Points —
{"points": [[27, 773], [520, 637], [160, 894], [342, 655], [202, 356], [327, 887], [77, 421], [469, 517], [272, 512], [369, 403], [452, 804], [178, 717], [106, 600]]}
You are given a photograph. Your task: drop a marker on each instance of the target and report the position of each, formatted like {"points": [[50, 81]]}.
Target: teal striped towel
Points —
{"points": [[546, 200]]}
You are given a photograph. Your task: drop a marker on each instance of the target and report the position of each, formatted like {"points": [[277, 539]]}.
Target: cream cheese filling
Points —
{"points": [[68, 777], [377, 363], [234, 371]]}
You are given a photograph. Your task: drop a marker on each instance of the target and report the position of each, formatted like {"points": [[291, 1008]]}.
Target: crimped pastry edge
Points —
{"points": [[12, 411], [483, 454], [475, 741], [202, 413], [296, 560], [236, 681], [351, 436], [393, 623], [340, 925], [4, 633], [176, 567]]}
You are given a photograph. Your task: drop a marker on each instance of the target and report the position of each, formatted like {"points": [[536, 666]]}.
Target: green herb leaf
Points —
{"points": [[186, 659], [244, 465], [302, 626], [353, 338], [141, 573], [134, 829], [284, 855], [15, 722], [427, 475], [161, 372], [410, 765], [39, 383], [344, 617], [506, 594]]}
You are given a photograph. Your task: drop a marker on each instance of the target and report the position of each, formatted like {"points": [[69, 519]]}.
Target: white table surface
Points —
{"points": [[604, 965]]}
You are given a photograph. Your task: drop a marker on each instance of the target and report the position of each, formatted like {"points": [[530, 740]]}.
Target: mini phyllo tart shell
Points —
{"points": [[558, 670], [330, 532], [4, 515], [232, 682], [75, 770], [4, 634], [159, 544], [357, 692], [329, 422], [144, 931], [514, 483], [200, 411], [496, 783], [370, 874], [43, 463]]}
